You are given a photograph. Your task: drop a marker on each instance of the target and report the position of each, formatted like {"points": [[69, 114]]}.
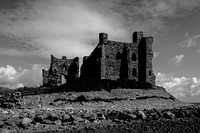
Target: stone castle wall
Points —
{"points": [[91, 67], [115, 60]]}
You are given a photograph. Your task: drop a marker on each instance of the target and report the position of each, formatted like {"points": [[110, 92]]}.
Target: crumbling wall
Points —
{"points": [[113, 56], [45, 74], [117, 60], [133, 61], [91, 67], [72, 69], [145, 56], [113, 60], [149, 53], [59, 69], [142, 60]]}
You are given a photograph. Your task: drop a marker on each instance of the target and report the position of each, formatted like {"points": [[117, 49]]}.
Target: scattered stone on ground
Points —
{"points": [[93, 113], [77, 117]]}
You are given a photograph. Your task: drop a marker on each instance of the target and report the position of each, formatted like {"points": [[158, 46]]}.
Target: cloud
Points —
{"points": [[156, 54], [183, 88], [57, 27], [178, 59], [71, 27], [169, 8], [13, 78], [190, 40], [22, 52]]}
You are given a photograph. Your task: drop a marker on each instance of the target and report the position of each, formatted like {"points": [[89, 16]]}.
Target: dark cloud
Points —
{"points": [[69, 27], [8, 4]]}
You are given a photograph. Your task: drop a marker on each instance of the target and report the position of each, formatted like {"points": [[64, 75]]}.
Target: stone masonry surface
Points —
{"points": [[114, 60]]}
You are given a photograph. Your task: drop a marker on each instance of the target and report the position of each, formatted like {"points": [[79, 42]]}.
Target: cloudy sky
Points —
{"points": [[31, 30]]}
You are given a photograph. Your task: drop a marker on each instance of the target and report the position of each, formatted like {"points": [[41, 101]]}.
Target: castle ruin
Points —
{"points": [[61, 71], [110, 60]]}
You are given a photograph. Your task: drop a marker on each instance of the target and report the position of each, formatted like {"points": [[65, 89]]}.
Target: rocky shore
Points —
{"points": [[121, 110], [81, 120]]}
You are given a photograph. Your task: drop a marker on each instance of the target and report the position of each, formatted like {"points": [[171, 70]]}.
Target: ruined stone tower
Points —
{"points": [[114, 60], [61, 71]]}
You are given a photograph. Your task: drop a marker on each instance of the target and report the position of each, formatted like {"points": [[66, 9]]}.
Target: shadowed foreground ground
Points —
{"points": [[121, 110], [191, 125]]}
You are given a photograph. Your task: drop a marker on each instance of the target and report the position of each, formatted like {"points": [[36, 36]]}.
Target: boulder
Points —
{"points": [[77, 119], [179, 114], [5, 112], [41, 117], [100, 116], [168, 115], [58, 122], [66, 118], [112, 115], [45, 115], [46, 121], [160, 114], [26, 121], [133, 116], [155, 116], [32, 111], [89, 117], [142, 115], [17, 95], [31, 115], [123, 116], [53, 116]]}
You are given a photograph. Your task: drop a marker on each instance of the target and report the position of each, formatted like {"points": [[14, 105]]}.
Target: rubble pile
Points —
{"points": [[11, 100]]}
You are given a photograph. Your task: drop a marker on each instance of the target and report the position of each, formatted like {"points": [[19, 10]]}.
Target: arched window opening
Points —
{"points": [[64, 67], [134, 72], [133, 57], [150, 73], [64, 81], [118, 56]]}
